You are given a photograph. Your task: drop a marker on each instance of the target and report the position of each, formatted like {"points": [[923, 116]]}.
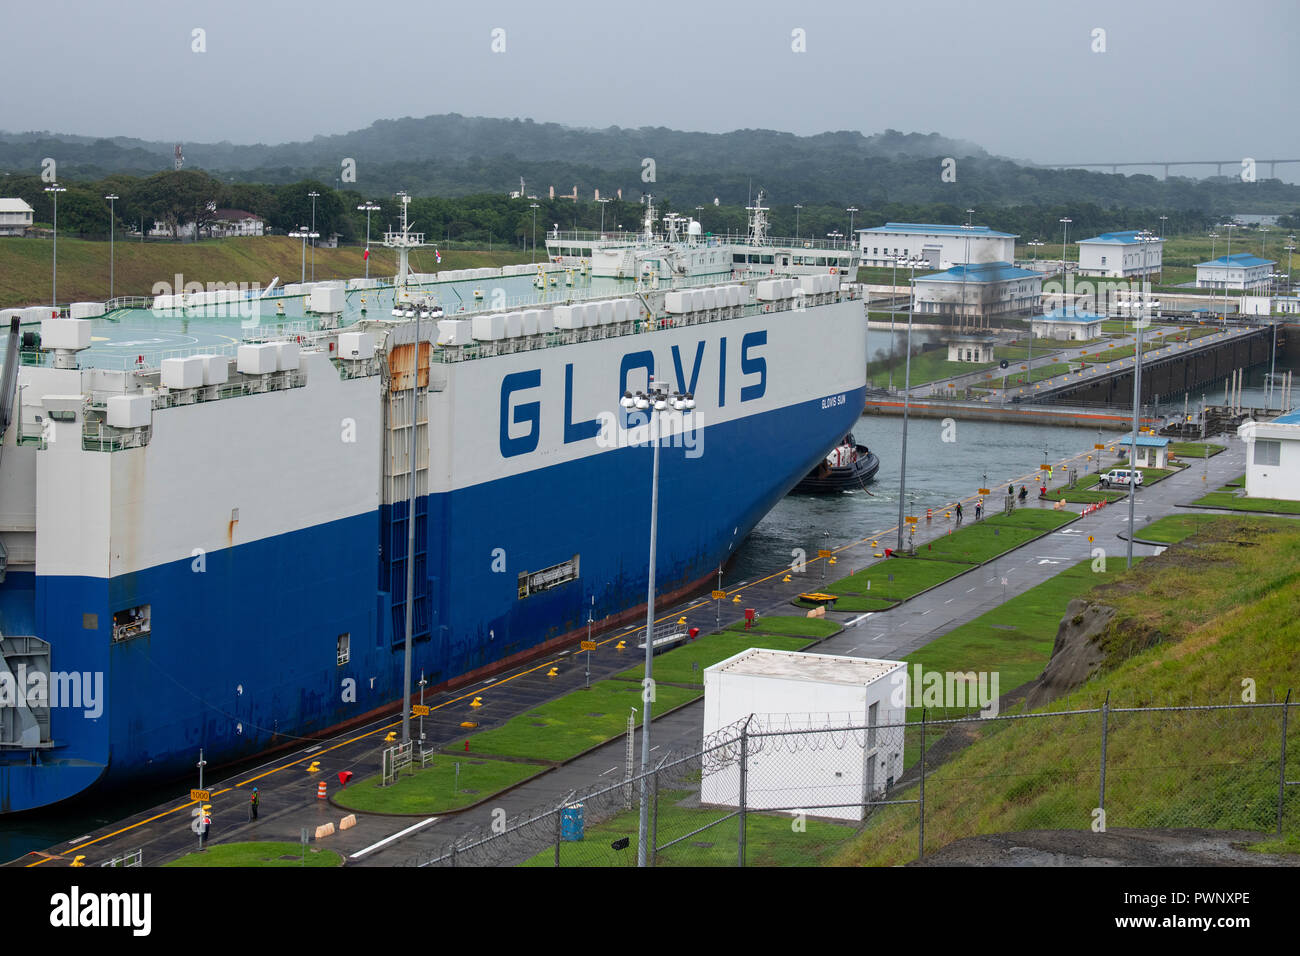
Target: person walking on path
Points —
{"points": [[253, 799], [979, 508], [958, 514]]}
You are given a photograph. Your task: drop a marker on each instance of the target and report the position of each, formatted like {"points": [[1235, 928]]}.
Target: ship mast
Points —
{"points": [[403, 241], [648, 224], [757, 221]]}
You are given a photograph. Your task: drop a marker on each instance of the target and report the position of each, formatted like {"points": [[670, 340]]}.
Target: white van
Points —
{"points": [[1119, 478]]}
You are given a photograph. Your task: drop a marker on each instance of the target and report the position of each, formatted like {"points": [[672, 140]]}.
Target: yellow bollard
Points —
{"points": [[736, 599], [786, 579], [314, 766], [553, 672], [621, 646], [476, 702]]}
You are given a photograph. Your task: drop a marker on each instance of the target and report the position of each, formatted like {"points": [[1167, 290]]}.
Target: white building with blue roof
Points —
{"points": [[1120, 255], [1238, 271], [1068, 323], [941, 246], [968, 295], [1273, 457]]}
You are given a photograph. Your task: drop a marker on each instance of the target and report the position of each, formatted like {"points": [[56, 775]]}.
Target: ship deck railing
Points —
{"points": [[625, 237]]}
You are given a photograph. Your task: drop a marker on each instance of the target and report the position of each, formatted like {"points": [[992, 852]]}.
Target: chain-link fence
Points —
{"points": [[785, 791]]}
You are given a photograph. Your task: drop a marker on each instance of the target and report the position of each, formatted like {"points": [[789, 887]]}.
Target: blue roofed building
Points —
{"points": [[1068, 323], [1240, 270], [940, 245], [1273, 457], [973, 295], [1132, 254]]}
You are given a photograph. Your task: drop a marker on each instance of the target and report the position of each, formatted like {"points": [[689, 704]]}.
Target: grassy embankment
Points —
{"points": [[1189, 624]]}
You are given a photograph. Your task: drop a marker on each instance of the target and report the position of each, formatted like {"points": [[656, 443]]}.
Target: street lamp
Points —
{"points": [[700, 212], [797, 207], [313, 194], [112, 221], [655, 399], [965, 268], [912, 262], [369, 207], [533, 207], [304, 234], [55, 188], [851, 210], [1065, 231], [1140, 323], [603, 203]]}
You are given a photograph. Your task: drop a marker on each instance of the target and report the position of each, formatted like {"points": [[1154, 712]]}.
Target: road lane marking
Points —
{"points": [[389, 839]]}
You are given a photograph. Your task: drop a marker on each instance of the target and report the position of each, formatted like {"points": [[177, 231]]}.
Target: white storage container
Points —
{"points": [[64, 333], [514, 325], [129, 411], [545, 321], [359, 345], [606, 311], [530, 321], [565, 317], [38, 313], [259, 359], [676, 302], [182, 372]]}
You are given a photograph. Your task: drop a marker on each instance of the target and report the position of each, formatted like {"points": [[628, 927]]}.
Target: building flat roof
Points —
{"points": [[1290, 418], [1069, 314], [981, 272], [1240, 260], [939, 229], [1127, 237], [816, 668]]}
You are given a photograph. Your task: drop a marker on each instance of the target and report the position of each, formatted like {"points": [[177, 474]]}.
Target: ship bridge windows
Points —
{"points": [[344, 649], [131, 622], [547, 578], [738, 258]]}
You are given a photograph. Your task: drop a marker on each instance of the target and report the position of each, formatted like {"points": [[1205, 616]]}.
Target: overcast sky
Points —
{"points": [[1179, 79]]}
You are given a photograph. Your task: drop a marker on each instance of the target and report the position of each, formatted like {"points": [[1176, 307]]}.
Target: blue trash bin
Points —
{"points": [[571, 823]]}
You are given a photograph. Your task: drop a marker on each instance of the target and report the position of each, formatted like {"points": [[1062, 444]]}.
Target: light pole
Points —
{"points": [[304, 234], [655, 399], [1065, 231], [112, 222], [851, 210], [55, 188], [313, 194], [965, 268], [797, 207], [912, 262], [1227, 264], [603, 203], [369, 207], [533, 207], [1290, 248], [1141, 323], [700, 213]]}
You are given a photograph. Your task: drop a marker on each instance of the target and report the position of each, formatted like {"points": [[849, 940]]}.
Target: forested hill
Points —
{"points": [[453, 155]]}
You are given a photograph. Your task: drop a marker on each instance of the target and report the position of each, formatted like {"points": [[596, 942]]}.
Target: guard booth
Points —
{"points": [[1151, 451]]}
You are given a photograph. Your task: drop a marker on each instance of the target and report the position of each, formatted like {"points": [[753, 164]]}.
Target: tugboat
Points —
{"points": [[848, 467]]}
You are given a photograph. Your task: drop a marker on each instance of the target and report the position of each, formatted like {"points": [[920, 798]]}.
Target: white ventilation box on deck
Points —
{"points": [[355, 346], [326, 299], [182, 372], [514, 325], [64, 333], [259, 359], [531, 321], [86, 310], [452, 332], [677, 302], [129, 411], [489, 328], [37, 313], [545, 321], [565, 318], [216, 369], [286, 358]]}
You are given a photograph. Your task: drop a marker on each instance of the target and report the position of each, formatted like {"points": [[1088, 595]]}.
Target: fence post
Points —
{"points": [[1281, 770], [453, 854], [920, 841], [1105, 720], [744, 782], [559, 831]]}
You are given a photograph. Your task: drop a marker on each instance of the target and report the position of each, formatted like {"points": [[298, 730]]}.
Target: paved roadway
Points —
{"points": [[288, 784]]}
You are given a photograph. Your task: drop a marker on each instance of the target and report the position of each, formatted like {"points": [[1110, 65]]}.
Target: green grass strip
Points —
{"points": [[259, 854], [438, 787]]}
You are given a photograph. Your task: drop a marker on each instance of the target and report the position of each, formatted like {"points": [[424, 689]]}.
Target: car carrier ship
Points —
{"points": [[203, 520]]}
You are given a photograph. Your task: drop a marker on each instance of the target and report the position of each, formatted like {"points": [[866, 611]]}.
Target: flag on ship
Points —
{"points": [[437, 255]]}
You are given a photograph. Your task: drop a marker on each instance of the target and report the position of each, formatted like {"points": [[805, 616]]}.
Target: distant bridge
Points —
{"points": [[1218, 164]]}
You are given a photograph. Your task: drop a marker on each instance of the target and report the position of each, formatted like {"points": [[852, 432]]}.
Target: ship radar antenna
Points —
{"points": [[648, 224]]}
